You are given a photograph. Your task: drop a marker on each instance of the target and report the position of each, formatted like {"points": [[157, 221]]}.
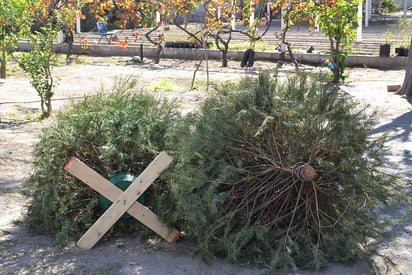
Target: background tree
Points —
{"points": [[220, 17], [66, 13], [37, 63], [337, 19], [255, 21], [406, 88], [181, 10], [157, 16], [61, 14], [198, 34], [291, 14], [13, 25], [152, 16], [148, 15], [45, 19]]}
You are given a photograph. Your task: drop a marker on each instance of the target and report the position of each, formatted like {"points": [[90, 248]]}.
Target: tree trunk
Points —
{"points": [[70, 40], [335, 70], [224, 58], [223, 47], [158, 54], [157, 43], [334, 59], [379, 5], [42, 103], [194, 74], [49, 108], [283, 41], [3, 63], [406, 88], [292, 57]]}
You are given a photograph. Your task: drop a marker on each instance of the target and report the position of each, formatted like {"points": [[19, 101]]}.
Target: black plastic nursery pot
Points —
{"points": [[169, 44], [385, 50], [401, 51], [184, 45]]}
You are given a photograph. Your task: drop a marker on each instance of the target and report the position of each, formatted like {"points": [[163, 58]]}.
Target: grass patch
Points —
{"points": [[22, 113], [163, 85], [200, 85], [240, 46]]}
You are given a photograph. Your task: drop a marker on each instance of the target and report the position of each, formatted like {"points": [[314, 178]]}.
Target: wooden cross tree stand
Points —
{"points": [[122, 201]]}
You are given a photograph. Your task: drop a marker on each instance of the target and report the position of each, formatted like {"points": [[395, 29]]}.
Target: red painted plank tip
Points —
{"points": [[66, 167], [178, 235]]}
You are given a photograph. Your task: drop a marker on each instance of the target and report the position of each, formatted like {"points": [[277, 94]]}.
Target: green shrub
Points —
{"points": [[115, 132], [390, 6], [38, 64], [238, 193]]}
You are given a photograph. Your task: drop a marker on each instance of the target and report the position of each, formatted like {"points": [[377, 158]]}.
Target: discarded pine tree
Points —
{"points": [[115, 132], [280, 174]]}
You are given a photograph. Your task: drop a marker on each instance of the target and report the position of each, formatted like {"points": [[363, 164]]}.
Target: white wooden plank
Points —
{"points": [[122, 203], [113, 193]]}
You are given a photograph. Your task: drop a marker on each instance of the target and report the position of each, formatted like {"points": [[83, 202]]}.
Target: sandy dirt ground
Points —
{"points": [[24, 253]]}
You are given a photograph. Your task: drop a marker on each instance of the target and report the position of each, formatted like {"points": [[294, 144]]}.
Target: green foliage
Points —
{"points": [[405, 31], [122, 131], [389, 36], [37, 63], [337, 19], [234, 182], [163, 85], [259, 46], [389, 6], [14, 16]]}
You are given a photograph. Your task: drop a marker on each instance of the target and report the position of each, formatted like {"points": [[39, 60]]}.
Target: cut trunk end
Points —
{"points": [[304, 171]]}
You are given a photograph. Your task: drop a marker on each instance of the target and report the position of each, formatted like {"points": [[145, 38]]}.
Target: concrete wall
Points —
{"points": [[318, 59]]}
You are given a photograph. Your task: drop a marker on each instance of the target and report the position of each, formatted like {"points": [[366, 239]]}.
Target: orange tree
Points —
{"points": [[61, 14], [220, 14], [150, 17], [292, 13], [182, 9], [257, 26], [147, 15], [161, 11], [127, 13], [142, 14], [66, 11]]}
